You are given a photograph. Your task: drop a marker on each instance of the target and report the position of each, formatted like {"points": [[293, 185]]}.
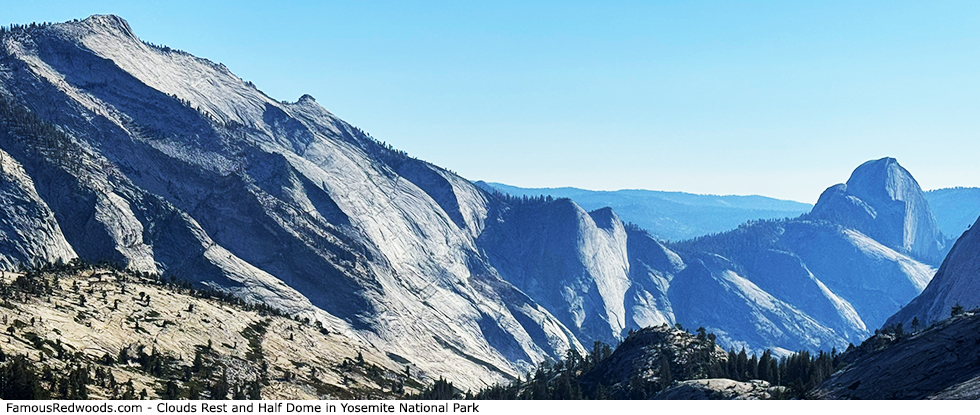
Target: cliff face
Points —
{"points": [[574, 262], [956, 283], [883, 201], [823, 280], [30, 232]]}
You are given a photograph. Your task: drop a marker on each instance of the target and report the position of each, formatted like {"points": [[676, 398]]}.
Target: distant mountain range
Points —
{"points": [[676, 216], [955, 208], [670, 216], [820, 280], [118, 151]]}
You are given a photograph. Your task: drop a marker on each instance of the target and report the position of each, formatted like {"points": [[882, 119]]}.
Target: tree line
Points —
{"points": [[581, 376]]}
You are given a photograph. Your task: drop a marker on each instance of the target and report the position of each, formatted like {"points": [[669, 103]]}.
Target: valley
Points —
{"points": [[168, 230]]}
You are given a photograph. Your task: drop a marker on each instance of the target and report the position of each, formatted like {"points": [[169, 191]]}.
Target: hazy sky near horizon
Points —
{"points": [[778, 98]]}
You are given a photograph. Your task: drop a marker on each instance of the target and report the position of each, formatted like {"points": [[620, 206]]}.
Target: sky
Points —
{"points": [[781, 99]]}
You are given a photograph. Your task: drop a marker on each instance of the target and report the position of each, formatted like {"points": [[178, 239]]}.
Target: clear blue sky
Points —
{"points": [[746, 97]]}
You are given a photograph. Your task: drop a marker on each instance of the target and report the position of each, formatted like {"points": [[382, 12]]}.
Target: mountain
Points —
{"points": [[956, 283], [573, 262], [883, 201], [813, 282], [928, 349], [672, 216], [936, 363], [118, 151], [115, 150], [955, 208]]}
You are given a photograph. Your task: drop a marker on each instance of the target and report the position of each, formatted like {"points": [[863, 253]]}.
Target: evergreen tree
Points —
{"points": [[170, 391], [219, 389], [19, 381], [254, 390], [666, 375], [442, 389], [741, 365]]}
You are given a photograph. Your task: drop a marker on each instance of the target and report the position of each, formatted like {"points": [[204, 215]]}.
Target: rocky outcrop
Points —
{"points": [[939, 362], [721, 389], [652, 358]]}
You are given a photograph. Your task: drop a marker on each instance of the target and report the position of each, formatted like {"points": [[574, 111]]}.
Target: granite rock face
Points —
{"points": [[115, 150], [937, 363], [796, 284], [956, 283], [720, 389], [883, 201]]}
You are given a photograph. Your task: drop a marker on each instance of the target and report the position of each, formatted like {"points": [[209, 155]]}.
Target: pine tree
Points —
{"points": [[198, 360], [732, 362], [19, 381], [442, 389], [219, 389], [666, 375], [255, 390], [170, 391], [741, 365]]}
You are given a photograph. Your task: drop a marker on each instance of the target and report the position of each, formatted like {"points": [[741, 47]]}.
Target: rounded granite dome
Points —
{"points": [[882, 200]]}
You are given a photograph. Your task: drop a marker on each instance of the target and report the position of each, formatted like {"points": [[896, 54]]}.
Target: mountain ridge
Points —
{"points": [[956, 209], [669, 215], [215, 182], [165, 163], [937, 362]]}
